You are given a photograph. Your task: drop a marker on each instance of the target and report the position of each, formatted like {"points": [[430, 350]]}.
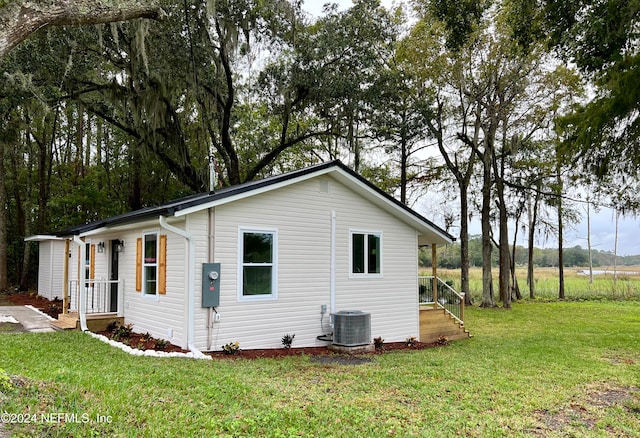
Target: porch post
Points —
{"points": [[65, 279], [434, 271]]}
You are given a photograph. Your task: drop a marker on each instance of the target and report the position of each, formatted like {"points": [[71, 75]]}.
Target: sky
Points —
{"points": [[315, 6], [603, 231], [603, 223]]}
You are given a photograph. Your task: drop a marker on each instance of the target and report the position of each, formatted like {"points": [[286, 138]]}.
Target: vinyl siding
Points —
{"points": [[162, 316], [301, 214], [51, 269]]}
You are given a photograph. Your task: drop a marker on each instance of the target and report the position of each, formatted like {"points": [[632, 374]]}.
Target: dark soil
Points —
{"points": [[50, 307], [145, 342], [321, 354]]}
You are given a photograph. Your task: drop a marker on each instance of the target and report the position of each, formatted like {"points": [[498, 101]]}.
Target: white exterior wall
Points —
{"points": [[51, 269], [301, 214], [163, 315]]}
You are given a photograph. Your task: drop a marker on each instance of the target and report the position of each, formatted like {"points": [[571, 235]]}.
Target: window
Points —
{"points": [[366, 254], [257, 264], [150, 264], [87, 262]]}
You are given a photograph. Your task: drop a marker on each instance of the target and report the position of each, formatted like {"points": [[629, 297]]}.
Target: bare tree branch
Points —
{"points": [[21, 18]]}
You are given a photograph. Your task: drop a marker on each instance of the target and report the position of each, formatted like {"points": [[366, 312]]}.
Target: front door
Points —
{"points": [[113, 276]]}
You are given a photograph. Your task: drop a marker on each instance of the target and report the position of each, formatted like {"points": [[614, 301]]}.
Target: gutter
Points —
{"points": [[191, 292]]}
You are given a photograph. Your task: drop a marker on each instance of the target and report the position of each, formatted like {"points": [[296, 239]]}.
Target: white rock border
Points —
{"points": [[9, 319], [148, 353]]}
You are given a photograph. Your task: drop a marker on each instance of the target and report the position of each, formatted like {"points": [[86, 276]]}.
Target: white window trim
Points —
{"points": [[274, 264], [156, 295], [365, 274]]}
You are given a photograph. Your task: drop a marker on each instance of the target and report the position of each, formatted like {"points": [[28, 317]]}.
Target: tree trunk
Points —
{"points": [[26, 261], [135, 193], [515, 289], [464, 243], [560, 234], [3, 224], [533, 218], [503, 245], [21, 18], [404, 160], [487, 280]]}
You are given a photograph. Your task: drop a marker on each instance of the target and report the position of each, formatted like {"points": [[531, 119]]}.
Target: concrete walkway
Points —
{"points": [[31, 320]]}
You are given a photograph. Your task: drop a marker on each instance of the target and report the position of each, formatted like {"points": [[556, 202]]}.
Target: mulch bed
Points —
{"points": [[50, 307], [318, 354], [321, 354]]}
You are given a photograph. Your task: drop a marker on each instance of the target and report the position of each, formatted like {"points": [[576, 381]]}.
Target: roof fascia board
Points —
{"points": [[127, 227]]}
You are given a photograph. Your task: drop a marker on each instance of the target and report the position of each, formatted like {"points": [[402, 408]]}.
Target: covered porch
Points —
{"points": [[90, 303], [102, 304], [441, 307]]}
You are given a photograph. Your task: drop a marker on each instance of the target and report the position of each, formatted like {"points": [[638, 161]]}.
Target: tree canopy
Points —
{"points": [[21, 18], [479, 102]]}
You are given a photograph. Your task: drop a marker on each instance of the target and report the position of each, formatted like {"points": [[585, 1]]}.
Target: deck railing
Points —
{"points": [[447, 297], [103, 296]]}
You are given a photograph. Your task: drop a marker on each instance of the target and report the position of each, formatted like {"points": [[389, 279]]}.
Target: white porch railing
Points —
{"points": [[447, 297], [102, 296]]}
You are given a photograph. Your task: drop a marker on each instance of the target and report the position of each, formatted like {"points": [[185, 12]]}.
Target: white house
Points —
{"points": [[292, 250]]}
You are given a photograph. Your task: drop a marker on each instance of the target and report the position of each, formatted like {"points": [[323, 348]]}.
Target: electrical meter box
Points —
{"points": [[210, 284]]}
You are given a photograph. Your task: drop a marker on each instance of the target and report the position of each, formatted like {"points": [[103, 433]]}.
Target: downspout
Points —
{"points": [[332, 282], [83, 281], [65, 278], [191, 293], [212, 254]]}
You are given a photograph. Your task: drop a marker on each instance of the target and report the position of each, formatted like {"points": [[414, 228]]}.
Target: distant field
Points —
{"points": [[577, 286]]}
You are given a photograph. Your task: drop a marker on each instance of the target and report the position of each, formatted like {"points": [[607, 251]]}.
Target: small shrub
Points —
{"points": [[442, 340], [160, 344], [378, 343], [231, 347], [122, 332], [146, 337], [112, 326], [287, 340], [411, 341]]}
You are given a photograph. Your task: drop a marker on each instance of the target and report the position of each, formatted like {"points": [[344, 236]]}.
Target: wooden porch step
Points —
{"points": [[436, 323], [95, 322], [66, 321], [62, 325]]}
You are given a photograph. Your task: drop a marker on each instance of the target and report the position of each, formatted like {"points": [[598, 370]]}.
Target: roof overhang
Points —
{"points": [[42, 238]]}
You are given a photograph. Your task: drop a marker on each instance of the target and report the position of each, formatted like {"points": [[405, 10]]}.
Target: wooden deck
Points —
{"points": [[95, 322], [436, 323]]}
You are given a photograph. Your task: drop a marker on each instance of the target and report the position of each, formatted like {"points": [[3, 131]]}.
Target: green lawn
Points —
{"points": [[541, 369]]}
